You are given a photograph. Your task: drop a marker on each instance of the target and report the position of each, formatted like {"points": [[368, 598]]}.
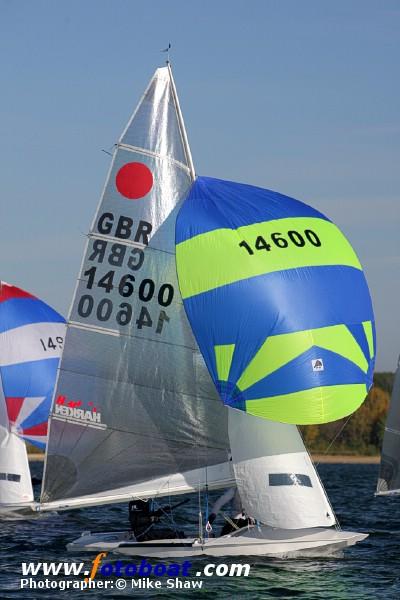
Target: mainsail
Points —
{"points": [[134, 401], [389, 472], [31, 339]]}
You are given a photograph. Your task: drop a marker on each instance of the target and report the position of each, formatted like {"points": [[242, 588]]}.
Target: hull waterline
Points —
{"points": [[255, 541]]}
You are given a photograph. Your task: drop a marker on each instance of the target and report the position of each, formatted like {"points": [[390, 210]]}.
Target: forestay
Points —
{"points": [[134, 400]]}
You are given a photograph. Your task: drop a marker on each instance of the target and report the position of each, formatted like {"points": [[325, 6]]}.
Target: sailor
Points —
{"points": [[142, 518], [239, 520]]}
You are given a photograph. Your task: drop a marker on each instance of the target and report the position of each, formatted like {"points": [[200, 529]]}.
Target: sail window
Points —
{"points": [[289, 479], [10, 477]]}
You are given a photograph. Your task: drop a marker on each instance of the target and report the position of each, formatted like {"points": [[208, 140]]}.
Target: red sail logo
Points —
{"points": [[134, 180]]}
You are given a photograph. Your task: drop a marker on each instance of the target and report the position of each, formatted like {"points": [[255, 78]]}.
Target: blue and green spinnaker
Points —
{"points": [[278, 303]]}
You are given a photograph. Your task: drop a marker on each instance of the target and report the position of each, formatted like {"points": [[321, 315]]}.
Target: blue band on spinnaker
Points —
{"points": [[17, 312], [202, 212]]}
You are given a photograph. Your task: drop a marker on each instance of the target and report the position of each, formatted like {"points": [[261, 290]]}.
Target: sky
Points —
{"points": [[298, 97]]}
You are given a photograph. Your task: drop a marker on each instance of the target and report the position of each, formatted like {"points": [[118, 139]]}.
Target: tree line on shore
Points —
{"points": [[362, 432]]}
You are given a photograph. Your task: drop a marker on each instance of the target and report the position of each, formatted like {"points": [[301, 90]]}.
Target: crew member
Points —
{"points": [[240, 518], [143, 518]]}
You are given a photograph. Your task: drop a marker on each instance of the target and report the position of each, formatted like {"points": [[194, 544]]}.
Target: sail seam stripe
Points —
{"points": [[94, 328], [142, 385], [109, 238], [111, 430], [146, 152]]}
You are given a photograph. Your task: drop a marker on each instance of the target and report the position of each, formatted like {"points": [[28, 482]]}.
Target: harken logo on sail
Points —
{"points": [[74, 411], [317, 364]]}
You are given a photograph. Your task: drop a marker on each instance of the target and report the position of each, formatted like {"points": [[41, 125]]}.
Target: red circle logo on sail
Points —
{"points": [[134, 180]]}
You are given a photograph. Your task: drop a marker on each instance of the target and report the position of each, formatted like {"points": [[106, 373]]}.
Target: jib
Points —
{"points": [[124, 228]]}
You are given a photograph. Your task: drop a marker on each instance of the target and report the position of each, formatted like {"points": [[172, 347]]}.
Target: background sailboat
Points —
{"points": [[32, 335], [135, 412], [389, 472]]}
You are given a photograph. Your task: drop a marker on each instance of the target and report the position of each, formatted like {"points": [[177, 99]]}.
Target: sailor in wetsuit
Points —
{"points": [[143, 518]]}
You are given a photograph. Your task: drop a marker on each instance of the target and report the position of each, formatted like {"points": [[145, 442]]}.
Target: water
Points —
{"points": [[369, 570]]}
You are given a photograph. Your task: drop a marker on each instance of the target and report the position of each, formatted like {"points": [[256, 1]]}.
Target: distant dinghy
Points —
{"points": [[389, 472], [32, 336]]}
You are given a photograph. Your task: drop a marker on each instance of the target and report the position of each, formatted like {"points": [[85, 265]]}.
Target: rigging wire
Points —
{"points": [[335, 437], [337, 524]]}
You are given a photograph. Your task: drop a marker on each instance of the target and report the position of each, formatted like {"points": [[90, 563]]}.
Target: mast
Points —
{"points": [[181, 124]]}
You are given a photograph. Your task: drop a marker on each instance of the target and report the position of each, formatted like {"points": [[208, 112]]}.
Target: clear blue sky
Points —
{"points": [[300, 97]]}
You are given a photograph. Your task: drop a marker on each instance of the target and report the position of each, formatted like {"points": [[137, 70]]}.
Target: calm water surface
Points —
{"points": [[367, 571]]}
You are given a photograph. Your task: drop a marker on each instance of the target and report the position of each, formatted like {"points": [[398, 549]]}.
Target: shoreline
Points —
{"points": [[338, 459], [346, 459]]}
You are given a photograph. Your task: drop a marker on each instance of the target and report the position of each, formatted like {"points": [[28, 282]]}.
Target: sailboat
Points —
{"points": [[188, 361], [389, 472], [32, 335]]}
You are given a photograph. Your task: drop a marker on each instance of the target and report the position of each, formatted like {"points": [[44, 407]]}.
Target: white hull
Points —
{"points": [[25, 511], [255, 541]]}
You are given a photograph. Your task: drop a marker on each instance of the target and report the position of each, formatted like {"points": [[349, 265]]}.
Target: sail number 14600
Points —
{"points": [[125, 285], [279, 240]]}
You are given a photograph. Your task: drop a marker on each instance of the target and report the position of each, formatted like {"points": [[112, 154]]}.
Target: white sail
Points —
{"points": [[389, 472], [276, 479], [15, 476], [134, 401]]}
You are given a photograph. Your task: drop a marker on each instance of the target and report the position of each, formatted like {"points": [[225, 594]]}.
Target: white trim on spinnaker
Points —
{"points": [[276, 479], [25, 344]]}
